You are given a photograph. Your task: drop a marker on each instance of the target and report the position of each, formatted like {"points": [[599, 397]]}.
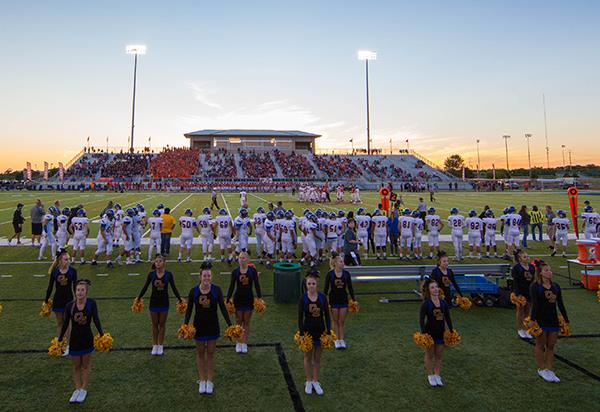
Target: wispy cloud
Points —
{"points": [[203, 94]]}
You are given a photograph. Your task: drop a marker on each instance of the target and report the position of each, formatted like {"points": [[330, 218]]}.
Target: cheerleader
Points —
{"points": [[242, 280], [79, 314], [313, 318], [338, 284], [159, 301], [433, 318], [444, 276], [204, 299], [64, 278], [522, 274], [545, 297]]}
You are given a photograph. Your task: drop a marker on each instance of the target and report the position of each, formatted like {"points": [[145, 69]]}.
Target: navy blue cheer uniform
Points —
{"points": [[444, 281], [65, 287], [82, 339], [313, 317], [159, 299], [543, 306], [206, 319], [433, 319], [335, 288], [243, 298], [522, 278]]}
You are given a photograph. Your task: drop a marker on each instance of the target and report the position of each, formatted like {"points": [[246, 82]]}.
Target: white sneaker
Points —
{"points": [[522, 333], [238, 348], [528, 335], [154, 349], [201, 387], [210, 387], [432, 380], [244, 348], [545, 376], [308, 387], [343, 344], [553, 376], [74, 396], [438, 380], [66, 351], [81, 396], [337, 344], [160, 350], [317, 386]]}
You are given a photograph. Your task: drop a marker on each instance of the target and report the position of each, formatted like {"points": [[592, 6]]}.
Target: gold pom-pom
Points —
{"points": [[259, 305], [230, 307], [138, 305], [532, 327], [56, 348], [518, 300], [353, 306], [234, 332], [463, 302], [565, 329], [451, 339], [103, 343], [304, 342], [328, 340], [1, 308], [598, 293], [46, 309], [423, 340], [442, 295], [186, 331], [181, 306]]}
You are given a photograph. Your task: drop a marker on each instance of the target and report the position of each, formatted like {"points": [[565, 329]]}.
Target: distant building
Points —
{"points": [[252, 139]]}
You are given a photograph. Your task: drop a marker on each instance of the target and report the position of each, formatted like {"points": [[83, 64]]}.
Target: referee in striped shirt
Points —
{"points": [[537, 217]]}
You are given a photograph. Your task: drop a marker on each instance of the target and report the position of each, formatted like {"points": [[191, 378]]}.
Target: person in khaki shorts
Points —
{"points": [[166, 231]]}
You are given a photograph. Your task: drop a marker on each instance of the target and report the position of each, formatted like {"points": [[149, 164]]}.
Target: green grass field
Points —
{"points": [[382, 369]]}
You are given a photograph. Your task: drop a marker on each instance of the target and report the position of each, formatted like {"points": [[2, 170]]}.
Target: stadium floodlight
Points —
{"points": [[367, 55], [506, 137], [134, 49], [528, 136]]}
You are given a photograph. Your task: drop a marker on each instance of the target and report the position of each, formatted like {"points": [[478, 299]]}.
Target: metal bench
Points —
{"points": [[417, 272]]}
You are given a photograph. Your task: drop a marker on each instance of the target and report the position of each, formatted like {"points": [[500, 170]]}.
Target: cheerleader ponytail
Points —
{"points": [[539, 265], [56, 261]]}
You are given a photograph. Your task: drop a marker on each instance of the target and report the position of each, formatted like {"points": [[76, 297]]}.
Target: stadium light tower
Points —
{"points": [[528, 136], [367, 55], [478, 159], [506, 137], [134, 49], [563, 153]]}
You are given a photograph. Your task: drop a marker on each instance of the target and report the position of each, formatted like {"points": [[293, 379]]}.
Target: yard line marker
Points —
{"points": [[39, 276], [6, 276], [102, 274], [133, 274], [178, 204]]}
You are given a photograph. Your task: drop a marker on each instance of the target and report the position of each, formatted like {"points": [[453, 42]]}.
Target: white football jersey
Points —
{"points": [[62, 223], [223, 225], [155, 224], [490, 224], [418, 225], [205, 223], [259, 219], [80, 226], [474, 224], [405, 224], [562, 224], [363, 222], [380, 223], [434, 223], [187, 224], [456, 222]]}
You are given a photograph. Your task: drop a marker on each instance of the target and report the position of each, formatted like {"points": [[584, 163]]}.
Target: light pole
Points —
{"points": [[506, 137], [528, 136], [546, 132], [390, 145], [352, 143], [134, 49], [570, 163], [367, 55], [563, 153], [478, 159]]}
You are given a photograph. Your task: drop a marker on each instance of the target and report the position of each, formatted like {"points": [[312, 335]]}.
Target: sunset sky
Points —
{"points": [[447, 73]]}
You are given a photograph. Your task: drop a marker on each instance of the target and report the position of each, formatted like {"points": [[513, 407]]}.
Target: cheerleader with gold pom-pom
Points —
{"points": [[433, 318], [546, 296], [338, 285], [62, 278], [79, 315], [313, 319], [522, 274], [205, 299], [160, 279]]}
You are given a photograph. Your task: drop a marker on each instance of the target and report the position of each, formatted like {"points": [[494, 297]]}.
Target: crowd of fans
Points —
{"points": [[179, 163], [257, 164], [124, 165], [220, 163], [88, 165], [294, 165], [336, 166]]}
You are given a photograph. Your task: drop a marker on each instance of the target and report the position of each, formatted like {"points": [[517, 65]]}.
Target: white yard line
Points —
{"points": [[226, 207], [178, 204]]}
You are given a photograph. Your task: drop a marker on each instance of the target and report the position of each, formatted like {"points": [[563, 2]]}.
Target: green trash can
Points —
{"points": [[287, 282]]}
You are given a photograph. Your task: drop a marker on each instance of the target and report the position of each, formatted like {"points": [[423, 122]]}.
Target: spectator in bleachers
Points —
{"points": [[180, 163]]}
